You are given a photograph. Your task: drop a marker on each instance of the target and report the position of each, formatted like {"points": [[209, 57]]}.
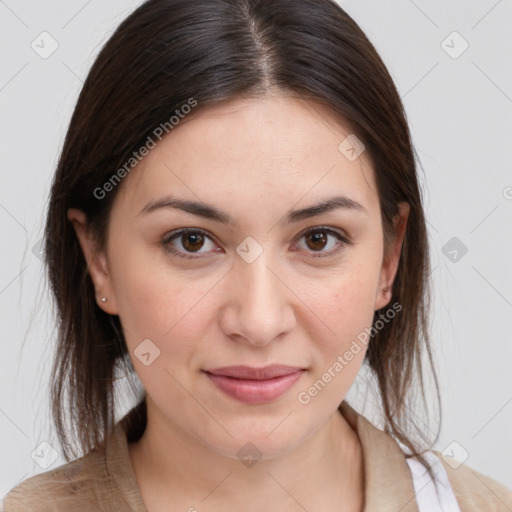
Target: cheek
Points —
{"points": [[345, 318], [143, 296], [347, 301], [159, 303], [159, 328]]}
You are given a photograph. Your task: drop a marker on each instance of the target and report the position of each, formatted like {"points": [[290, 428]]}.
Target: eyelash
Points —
{"points": [[344, 242]]}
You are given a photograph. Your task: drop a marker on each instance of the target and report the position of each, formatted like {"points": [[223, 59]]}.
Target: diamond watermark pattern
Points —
{"points": [[44, 45], [44, 455], [455, 454], [454, 249], [146, 352], [351, 147], [38, 250], [249, 454], [454, 45], [249, 250]]}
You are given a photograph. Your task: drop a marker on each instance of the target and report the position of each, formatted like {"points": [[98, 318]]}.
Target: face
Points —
{"points": [[268, 287]]}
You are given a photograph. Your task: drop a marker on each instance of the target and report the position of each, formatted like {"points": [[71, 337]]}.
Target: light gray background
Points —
{"points": [[460, 113]]}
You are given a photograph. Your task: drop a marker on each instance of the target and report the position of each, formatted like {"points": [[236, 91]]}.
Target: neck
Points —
{"points": [[177, 472]]}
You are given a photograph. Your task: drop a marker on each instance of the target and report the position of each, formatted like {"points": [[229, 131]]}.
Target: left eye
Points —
{"points": [[192, 240], [318, 238]]}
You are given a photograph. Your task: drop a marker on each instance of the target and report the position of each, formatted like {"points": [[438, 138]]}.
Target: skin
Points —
{"points": [[255, 159]]}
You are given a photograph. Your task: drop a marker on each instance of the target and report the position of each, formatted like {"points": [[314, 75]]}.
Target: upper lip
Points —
{"points": [[248, 372]]}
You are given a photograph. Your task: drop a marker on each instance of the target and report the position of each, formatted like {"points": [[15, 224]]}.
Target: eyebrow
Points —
{"points": [[210, 212]]}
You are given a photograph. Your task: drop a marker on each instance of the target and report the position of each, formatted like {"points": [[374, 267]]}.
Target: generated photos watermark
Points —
{"points": [[362, 339], [158, 133]]}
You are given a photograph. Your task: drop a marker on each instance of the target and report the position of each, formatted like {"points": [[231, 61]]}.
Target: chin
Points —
{"points": [[260, 439]]}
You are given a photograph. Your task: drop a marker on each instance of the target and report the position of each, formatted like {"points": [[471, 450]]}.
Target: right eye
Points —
{"points": [[190, 240]]}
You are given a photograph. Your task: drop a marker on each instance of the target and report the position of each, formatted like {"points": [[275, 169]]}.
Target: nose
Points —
{"points": [[259, 303]]}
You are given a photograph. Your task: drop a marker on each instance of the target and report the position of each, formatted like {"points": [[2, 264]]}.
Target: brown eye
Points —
{"points": [[318, 239], [320, 242], [192, 241], [186, 242]]}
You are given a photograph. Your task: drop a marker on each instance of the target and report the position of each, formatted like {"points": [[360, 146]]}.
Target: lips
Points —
{"points": [[255, 385], [248, 372]]}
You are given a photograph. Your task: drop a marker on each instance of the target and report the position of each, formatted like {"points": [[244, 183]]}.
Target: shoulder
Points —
{"points": [[72, 486], [475, 491]]}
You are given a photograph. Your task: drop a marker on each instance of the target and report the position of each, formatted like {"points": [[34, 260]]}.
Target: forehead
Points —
{"points": [[265, 150]]}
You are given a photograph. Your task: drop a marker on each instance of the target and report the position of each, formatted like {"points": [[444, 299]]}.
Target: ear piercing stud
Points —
{"points": [[103, 299]]}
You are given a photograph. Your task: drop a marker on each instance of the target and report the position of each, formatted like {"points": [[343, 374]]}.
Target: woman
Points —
{"points": [[236, 219]]}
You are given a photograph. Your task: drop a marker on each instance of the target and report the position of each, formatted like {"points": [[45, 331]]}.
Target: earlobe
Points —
{"points": [[97, 264]]}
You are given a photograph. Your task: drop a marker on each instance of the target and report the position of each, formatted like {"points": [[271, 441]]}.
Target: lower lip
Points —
{"points": [[255, 391]]}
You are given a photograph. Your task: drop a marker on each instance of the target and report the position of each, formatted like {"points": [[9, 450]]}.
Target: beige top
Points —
{"points": [[94, 483]]}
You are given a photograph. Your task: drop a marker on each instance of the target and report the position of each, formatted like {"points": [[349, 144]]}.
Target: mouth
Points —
{"points": [[255, 385]]}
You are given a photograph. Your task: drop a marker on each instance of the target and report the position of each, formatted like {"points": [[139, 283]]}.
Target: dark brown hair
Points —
{"points": [[163, 54]]}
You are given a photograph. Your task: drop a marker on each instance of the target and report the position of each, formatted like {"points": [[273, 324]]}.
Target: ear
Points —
{"points": [[97, 264], [392, 257]]}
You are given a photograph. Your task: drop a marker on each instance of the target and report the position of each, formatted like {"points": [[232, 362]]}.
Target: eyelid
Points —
{"points": [[343, 238]]}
